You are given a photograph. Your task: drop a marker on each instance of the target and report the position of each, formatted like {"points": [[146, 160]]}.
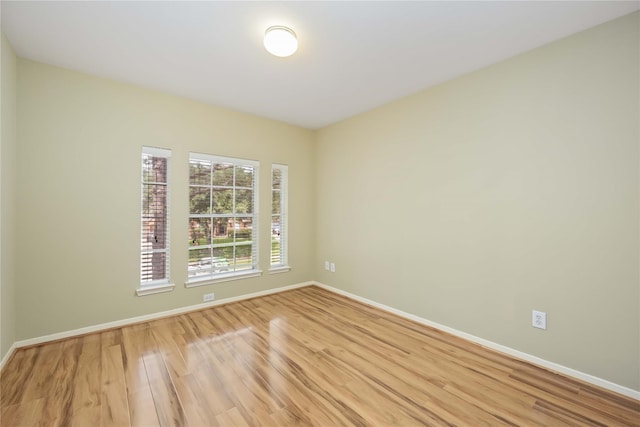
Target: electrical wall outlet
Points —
{"points": [[326, 265], [333, 267], [208, 297], [539, 319]]}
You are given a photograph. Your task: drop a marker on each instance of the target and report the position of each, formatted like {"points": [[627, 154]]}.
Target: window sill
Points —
{"points": [[222, 278], [154, 289], [279, 269]]}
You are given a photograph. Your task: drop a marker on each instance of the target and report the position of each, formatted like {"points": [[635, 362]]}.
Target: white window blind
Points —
{"points": [[154, 259], [223, 212], [279, 233]]}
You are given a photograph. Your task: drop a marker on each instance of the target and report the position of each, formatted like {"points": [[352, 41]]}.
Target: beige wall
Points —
{"points": [[78, 179], [509, 189], [7, 197]]}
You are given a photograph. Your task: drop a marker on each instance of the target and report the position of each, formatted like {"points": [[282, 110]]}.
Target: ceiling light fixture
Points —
{"points": [[280, 41]]}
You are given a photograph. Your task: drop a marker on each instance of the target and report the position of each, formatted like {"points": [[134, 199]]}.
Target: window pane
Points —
{"points": [[276, 179], [222, 201], [154, 266], [275, 202], [221, 230], [199, 231], [154, 232], [275, 251], [154, 169], [278, 216], [154, 217], [275, 240], [275, 226], [244, 176], [226, 223], [199, 172], [221, 257], [243, 257], [224, 253], [244, 201], [223, 174], [200, 262], [243, 229], [154, 199], [199, 200]]}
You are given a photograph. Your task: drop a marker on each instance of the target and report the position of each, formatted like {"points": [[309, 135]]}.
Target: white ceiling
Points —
{"points": [[353, 56]]}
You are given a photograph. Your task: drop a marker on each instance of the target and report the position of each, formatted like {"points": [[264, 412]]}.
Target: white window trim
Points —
{"points": [[221, 159], [242, 274], [222, 277], [279, 269], [162, 285], [154, 289]]}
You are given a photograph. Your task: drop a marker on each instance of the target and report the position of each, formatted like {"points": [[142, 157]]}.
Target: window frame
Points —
{"points": [[223, 276], [283, 265], [154, 286]]}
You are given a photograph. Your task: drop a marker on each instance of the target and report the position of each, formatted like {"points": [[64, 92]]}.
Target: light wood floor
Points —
{"points": [[305, 357]]}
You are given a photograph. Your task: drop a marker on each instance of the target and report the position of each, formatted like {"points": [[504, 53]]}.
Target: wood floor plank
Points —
{"points": [[13, 381], [195, 402], [62, 383], [231, 418], [39, 382], [86, 401], [207, 367], [114, 407], [165, 397], [616, 408], [135, 342], [305, 357], [15, 415], [26, 414]]}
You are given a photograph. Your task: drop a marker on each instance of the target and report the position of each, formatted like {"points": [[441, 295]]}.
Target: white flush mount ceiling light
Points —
{"points": [[280, 41]]}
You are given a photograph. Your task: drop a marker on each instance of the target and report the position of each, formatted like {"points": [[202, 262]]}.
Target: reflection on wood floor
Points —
{"points": [[302, 357]]}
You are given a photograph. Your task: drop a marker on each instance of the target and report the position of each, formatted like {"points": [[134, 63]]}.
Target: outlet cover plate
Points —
{"points": [[539, 319], [208, 297]]}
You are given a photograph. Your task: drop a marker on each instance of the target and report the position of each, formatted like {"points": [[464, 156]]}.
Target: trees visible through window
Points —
{"points": [[154, 260], [222, 217]]}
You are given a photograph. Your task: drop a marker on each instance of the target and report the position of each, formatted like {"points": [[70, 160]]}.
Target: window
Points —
{"points": [[154, 242], [279, 218], [223, 238]]}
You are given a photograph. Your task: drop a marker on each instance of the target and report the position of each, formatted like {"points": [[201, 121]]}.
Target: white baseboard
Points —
{"points": [[7, 356], [147, 317], [634, 394]]}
